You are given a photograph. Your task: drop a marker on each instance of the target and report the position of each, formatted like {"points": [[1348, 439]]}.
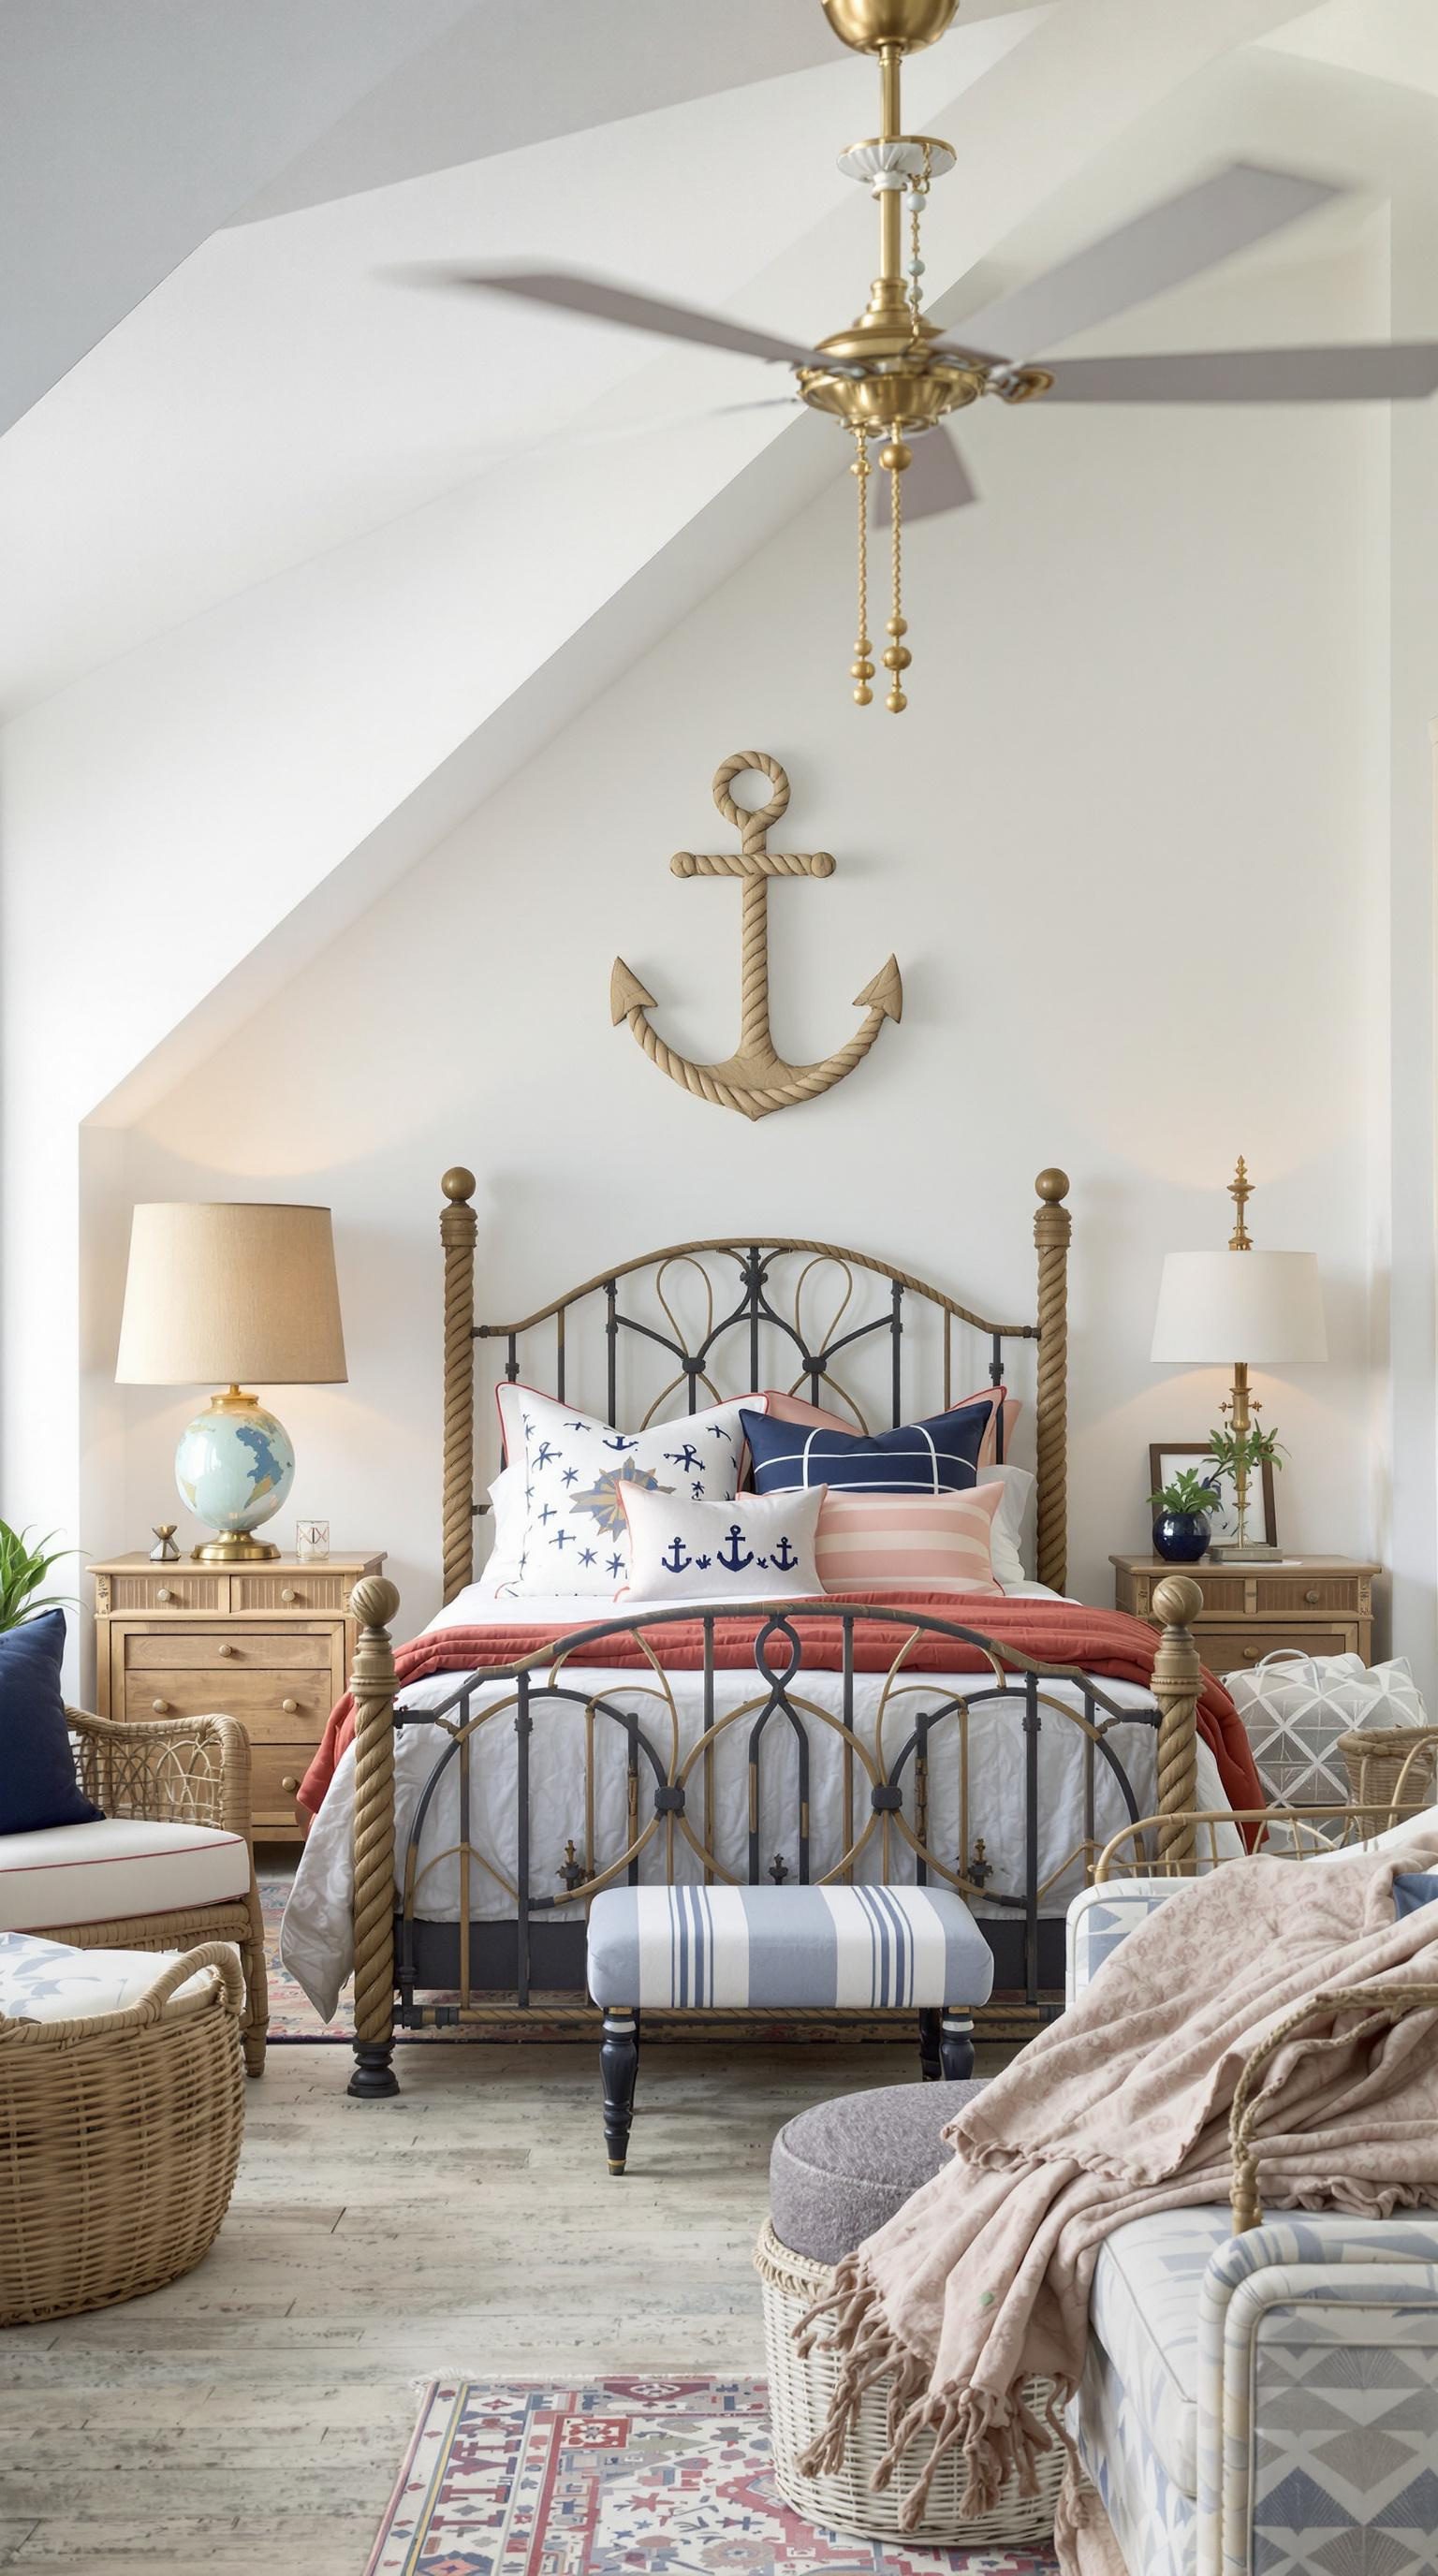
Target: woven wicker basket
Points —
{"points": [[1391, 1770], [800, 2389], [119, 2138]]}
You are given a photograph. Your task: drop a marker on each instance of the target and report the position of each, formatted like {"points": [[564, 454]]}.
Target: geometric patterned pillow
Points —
{"points": [[1296, 1706]]}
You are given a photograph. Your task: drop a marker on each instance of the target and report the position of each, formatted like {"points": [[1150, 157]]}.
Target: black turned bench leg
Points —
{"points": [[956, 2045], [930, 2063], [618, 2067]]}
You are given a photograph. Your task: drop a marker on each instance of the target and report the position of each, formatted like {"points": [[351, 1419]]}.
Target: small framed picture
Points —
{"points": [[1166, 1457], [312, 1541]]}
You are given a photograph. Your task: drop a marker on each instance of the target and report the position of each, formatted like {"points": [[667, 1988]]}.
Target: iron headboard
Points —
{"points": [[750, 1323]]}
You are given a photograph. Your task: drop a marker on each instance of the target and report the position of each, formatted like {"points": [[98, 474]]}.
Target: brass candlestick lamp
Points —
{"points": [[1269, 1305]]}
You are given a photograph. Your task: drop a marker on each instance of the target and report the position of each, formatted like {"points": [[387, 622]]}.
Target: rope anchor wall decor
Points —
{"points": [[755, 1079]]}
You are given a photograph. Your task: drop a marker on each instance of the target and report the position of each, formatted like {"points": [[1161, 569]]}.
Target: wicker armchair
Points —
{"points": [[184, 1771]]}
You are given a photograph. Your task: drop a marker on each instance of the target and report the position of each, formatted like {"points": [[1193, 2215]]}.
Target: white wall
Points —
{"points": [[1123, 843]]}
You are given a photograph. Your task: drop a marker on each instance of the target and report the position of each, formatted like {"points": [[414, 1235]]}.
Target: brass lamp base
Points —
{"points": [[233, 1551]]}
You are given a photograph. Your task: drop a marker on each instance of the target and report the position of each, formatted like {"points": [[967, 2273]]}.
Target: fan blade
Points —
{"points": [[565, 442], [1172, 241], [1388, 371], [598, 301], [937, 480]]}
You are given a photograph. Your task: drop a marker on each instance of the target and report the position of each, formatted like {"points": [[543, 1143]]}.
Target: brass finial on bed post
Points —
{"points": [[458, 1226], [1053, 1227]]}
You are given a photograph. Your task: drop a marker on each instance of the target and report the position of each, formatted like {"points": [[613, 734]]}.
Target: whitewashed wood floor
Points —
{"points": [[253, 2415]]}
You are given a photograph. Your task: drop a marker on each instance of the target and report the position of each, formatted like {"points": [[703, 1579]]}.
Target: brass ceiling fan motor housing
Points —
{"points": [[908, 25]]}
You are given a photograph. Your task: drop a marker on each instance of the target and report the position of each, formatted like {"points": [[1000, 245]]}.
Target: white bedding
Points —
{"points": [[315, 1941]]}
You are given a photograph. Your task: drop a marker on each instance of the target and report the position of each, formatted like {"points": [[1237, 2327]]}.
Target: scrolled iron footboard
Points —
{"points": [[645, 1793]]}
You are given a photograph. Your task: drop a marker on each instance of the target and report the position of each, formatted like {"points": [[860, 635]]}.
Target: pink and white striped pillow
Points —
{"points": [[908, 1542]]}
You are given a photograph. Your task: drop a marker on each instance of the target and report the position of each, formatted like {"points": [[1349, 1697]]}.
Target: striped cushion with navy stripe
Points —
{"points": [[938, 1456], [731, 1947]]}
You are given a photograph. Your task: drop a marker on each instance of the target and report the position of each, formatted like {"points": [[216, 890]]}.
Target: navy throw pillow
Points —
{"points": [[37, 1769], [1414, 1888], [940, 1456]]}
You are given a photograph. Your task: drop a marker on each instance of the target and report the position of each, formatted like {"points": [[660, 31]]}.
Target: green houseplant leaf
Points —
{"points": [[24, 1565]]}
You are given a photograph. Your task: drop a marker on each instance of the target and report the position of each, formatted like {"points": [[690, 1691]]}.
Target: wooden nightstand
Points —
{"points": [[270, 1643], [1323, 1605]]}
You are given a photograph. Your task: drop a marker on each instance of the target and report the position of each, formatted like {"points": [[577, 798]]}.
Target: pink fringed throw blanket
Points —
{"points": [[1121, 2109]]}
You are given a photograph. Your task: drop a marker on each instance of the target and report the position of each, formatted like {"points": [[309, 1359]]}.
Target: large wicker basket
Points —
{"points": [[1391, 1770], [800, 2389], [119, 2138]]}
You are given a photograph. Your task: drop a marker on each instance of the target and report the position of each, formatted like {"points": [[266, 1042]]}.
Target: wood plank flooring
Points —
{"points": [[253, 2415]]}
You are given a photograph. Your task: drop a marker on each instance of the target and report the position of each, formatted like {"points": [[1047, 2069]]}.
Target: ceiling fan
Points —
{"points": [[894, 375]]}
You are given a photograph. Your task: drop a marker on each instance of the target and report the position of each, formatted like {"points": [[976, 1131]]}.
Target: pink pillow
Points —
{"points": [[795, 1408], [908, 1542]]}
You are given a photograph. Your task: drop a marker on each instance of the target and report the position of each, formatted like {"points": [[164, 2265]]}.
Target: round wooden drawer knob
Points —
{"points": [[1312, 1596], [164, 1593], [160, 1707], [289, 1593], [225, 1646], [291, 1707], [1250, 1654], [291, 1785]]}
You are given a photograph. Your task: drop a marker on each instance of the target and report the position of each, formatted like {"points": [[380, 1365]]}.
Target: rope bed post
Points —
{"points": [[1053, 1227], [374, 1603], [458, 1225], [1177, 1678]]}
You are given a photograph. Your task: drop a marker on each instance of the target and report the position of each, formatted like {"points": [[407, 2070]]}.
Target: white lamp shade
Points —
{"points": [[223, 1293], [1260, 1307]]}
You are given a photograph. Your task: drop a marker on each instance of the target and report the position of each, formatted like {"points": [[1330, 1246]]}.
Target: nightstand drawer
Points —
{"points": [[166, 1589], [271, 1706], [1300, 1596], [1227, 1650], [276, 1771], [231, 1649], [299, 1589]]}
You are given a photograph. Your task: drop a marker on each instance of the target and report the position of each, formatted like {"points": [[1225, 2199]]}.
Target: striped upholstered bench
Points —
{"points": [[794, 1949]]}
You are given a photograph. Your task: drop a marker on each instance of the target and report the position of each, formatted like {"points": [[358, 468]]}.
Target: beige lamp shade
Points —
{"points": [[1265, 1308], [230, 1292]]}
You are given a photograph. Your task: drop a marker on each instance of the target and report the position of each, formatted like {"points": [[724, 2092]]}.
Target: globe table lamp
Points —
{"points": [[233, 1291], [1269, 1305]]}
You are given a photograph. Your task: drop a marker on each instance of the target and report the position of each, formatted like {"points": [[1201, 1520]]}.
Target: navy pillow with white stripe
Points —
{"points": [[940, 1456]]}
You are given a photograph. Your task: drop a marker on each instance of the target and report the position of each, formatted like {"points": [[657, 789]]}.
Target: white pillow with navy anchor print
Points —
{"points": [[760, 1547], [577, 1473]]}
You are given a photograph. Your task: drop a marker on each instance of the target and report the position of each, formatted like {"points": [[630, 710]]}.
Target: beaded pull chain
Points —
{"points": [[897, 657], [916, 202], [861, 669]]}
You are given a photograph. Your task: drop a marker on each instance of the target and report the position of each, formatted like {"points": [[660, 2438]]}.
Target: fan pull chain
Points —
{"points": [[916, 202], [861, 668], [897, 657]]}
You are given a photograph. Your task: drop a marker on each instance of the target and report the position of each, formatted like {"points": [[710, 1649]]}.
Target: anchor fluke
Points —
{"points": [[885, 994], [627, 994]]}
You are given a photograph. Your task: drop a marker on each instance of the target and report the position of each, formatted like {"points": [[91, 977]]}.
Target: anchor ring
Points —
{"points": [[749, 819]]}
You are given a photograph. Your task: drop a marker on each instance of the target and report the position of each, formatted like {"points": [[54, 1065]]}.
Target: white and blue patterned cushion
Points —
{"points": [[733, 1947], [50, 1981], [1100, 1917], [939, 1456], [1153, 2521]]}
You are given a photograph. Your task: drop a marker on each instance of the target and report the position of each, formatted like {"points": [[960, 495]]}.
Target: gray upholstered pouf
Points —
{"points": [[838, 2171]]}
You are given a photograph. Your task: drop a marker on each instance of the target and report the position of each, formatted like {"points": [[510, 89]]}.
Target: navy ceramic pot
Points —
{"points": [[1181, 1538]]}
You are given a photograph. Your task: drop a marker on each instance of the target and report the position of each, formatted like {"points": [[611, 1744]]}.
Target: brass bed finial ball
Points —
{"points": [[1178, 1600], [869, 25], [458, 1184], [1052, 1185]]}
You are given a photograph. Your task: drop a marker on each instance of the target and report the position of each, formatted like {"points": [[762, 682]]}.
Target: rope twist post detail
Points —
{"points": [[458, 1225], [1177, 1678], [1053, 1229], [374, 1603]]}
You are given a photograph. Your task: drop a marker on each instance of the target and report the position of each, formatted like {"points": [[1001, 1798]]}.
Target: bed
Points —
{"points": [[527, 1752]]}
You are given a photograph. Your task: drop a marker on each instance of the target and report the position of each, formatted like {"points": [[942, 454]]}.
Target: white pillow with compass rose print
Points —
{"points": [[576, 1538], [760, 1547]]}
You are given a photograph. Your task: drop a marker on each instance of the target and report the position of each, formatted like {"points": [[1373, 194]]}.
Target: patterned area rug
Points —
{"points": [[621, 2477]]}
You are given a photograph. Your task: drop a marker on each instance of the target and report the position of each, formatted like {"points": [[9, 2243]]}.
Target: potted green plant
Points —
{"points": [[23, 1568], [1181, 1511], [1239, 1455]]}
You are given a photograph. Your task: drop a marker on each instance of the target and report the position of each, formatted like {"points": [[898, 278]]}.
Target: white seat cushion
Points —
{"points": [[118, 1867], [736, 1947], [49, 1981]]}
